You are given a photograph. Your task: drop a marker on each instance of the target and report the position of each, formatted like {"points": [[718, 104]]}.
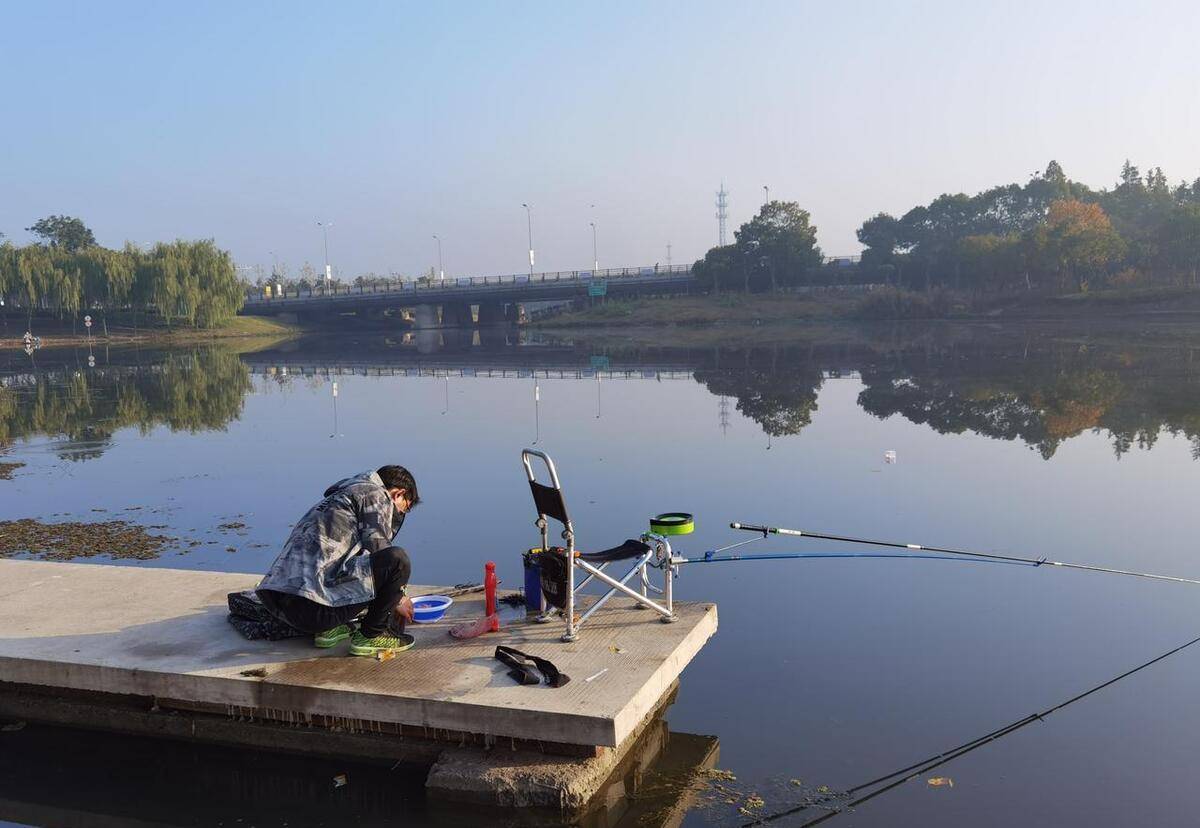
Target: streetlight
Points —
{"points": [[325, 225], [595, 257], [529, 222], [766, 195], [668, 255], [441, 272]]}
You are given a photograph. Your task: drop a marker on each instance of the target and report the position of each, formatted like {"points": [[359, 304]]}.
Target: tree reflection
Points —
{"points": [[1042, 396], [192, 391], [775, 387]]}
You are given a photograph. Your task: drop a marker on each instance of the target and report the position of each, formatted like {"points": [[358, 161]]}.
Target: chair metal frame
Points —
{"points": [[658, 555]]}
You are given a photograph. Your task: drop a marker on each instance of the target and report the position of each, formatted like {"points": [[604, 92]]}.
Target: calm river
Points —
{"points": [[1076, 443]]}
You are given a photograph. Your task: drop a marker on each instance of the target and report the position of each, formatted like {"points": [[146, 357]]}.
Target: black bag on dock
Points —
{"points": [[254, 621]]}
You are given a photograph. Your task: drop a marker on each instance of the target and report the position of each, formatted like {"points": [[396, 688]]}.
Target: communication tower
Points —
{"points": [[722, 213]]}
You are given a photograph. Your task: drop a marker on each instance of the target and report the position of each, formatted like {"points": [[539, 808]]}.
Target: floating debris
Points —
{"points": [[13, 727], [64, 541], [232, 526], [257, 672], [6, 470], [339, 781], [939, 781]]}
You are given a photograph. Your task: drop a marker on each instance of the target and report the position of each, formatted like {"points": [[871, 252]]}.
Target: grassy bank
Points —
{"points": [[879, 305], [56, 333], [755, 308]]}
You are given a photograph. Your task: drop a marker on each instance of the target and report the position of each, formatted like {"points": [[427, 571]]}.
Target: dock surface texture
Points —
{"points": [[85, 630]]}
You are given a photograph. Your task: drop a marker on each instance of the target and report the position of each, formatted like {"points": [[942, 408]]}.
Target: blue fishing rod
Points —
{"points": [[910, 551]]}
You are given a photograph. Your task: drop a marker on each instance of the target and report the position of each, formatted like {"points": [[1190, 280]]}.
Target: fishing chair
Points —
{"points": [[559, 564]]}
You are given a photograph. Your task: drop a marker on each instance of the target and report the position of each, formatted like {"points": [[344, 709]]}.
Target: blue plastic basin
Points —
{"points": [[428, 608]]}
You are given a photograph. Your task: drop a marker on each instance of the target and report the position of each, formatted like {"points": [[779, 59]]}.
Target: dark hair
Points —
{"points": [[398, 477]]}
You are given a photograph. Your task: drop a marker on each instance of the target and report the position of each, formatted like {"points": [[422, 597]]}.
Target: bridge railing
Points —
{"points": [[414, 287]]}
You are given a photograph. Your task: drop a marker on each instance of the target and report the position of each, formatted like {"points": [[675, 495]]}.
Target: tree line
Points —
{"points": [[67, 272], [1050, 234]]}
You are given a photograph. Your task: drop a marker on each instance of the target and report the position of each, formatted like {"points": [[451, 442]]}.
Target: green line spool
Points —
{"points": [[673, 523]]}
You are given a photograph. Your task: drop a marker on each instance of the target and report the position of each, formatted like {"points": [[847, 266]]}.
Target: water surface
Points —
{"points": [[1080, 444]]}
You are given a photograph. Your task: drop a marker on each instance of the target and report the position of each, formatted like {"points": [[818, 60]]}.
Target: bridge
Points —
{"points": [[449, 302]]}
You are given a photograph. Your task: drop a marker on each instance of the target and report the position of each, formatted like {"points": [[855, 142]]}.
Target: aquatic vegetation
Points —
{"points": [[70, 540]]}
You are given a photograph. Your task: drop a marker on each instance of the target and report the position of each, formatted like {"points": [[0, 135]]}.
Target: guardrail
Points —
{"points": [[413, 287]]}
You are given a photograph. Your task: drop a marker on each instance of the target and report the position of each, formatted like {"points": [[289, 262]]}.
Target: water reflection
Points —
{"points": [[1041, 386], [48, 777], [82, 407]]}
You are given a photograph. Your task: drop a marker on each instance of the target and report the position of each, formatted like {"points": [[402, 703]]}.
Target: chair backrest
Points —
{"points": [[547, 498]]}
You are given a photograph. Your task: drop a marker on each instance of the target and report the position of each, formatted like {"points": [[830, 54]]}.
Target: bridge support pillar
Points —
{"points": [[457, 315], [493, 313], [513, 313], [426, 317]]}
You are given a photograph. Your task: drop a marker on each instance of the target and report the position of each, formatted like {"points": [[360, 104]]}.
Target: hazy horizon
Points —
{"points": [[398, 122]]}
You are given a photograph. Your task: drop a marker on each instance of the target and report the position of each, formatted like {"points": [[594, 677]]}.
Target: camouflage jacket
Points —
{"points": [[323, 558]]}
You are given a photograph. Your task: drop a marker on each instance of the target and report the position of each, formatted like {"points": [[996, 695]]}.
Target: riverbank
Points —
{"points": [[55, 334], [879, 305]]}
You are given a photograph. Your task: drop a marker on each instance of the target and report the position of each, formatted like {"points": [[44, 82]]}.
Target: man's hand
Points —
{"points": [[404, 610]]}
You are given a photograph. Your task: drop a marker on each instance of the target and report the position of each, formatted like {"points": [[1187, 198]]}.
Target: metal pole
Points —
{"points": [[325, 225], [595, 256], [441, 270], [766, 195], [529, 222], [668, 256]]}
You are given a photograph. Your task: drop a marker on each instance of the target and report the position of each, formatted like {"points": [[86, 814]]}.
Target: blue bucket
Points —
{"points": [[427, 608]]}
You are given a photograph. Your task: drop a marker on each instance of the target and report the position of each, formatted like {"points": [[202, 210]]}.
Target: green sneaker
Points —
{"points": [[360, 645], [331, 637]]}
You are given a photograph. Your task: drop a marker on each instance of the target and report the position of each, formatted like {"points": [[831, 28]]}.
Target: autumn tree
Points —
{"points": [[1080, 240]]}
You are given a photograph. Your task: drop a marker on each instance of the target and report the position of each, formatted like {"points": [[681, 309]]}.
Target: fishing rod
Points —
{"points": [[709, 557], [899, 777], [764, 531]]}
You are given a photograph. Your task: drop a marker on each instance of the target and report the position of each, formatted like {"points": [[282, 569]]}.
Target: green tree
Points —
{"points": [[881, 235], [720, 269], [780, 241], [66, 232], [1180, 240]]}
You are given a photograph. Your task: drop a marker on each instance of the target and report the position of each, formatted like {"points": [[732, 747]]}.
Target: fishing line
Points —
{"points": [[925, 765], [916, 547], [788, 556]]}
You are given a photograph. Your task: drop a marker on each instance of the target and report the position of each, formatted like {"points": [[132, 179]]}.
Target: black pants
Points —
{"points": [[389, 567]]}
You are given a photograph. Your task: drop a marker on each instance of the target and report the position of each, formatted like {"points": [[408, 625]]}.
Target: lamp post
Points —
{"points": [[529, 223], [325, 225], [595, 256], [668, 256], [441, 270], [766, 195]]}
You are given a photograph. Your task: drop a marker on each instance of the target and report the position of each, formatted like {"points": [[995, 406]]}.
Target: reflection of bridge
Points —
{"points": [[554, 364], [449, 302]]}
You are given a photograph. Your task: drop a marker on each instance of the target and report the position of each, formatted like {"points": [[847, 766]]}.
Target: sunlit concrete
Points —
{"points": [[163, 633]]}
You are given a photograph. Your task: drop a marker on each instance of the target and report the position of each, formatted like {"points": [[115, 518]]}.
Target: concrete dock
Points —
{"points": [[150, 651]]}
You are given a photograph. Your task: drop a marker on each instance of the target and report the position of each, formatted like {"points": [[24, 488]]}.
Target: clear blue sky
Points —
{"points": [[248, 121]]}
